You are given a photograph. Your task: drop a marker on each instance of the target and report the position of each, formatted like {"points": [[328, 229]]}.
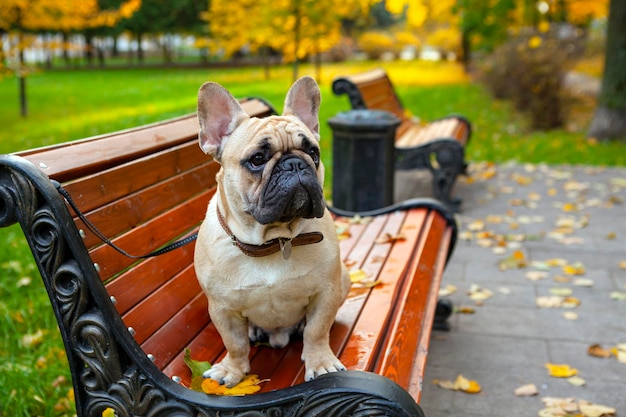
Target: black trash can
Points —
{"points": [[363, 159]]}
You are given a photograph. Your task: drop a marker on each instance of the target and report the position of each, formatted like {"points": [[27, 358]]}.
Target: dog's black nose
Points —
{"points": [[293, 163]]}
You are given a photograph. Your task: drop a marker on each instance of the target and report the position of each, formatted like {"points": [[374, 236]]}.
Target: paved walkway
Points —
{"points": [[525, 229]]}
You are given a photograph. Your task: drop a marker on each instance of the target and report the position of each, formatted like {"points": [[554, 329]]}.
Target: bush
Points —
{"points": [[529, 70]]}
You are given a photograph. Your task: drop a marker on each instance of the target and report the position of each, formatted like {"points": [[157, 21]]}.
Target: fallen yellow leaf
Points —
{"points": [[560, 370], [358, 275], [463, 384], [576, 268], [460, 384], [249, 385], [109, 412], [362, 279]]}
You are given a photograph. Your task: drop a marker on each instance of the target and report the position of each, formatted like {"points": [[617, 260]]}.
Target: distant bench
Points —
{"points": [[438, 146], [126, 322]]}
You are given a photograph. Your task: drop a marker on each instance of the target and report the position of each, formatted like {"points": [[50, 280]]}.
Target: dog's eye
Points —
{"points": [[314, 153], [257, 159]]}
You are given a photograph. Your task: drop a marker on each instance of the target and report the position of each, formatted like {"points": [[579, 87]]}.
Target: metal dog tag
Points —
{"points": [[285, 248]]}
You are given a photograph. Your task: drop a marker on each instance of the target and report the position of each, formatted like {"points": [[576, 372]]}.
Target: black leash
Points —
{"points": [[102, 237]]}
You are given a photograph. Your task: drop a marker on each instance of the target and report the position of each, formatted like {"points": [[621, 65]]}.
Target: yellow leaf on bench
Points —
{"points": [[389, 238], [249, 385]]}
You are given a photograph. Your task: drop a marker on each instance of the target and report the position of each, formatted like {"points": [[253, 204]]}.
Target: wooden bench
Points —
{"points": [[438, 146], [126, 322]]}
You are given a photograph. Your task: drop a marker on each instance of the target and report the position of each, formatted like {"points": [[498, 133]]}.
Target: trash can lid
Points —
{"points": [[364, 119]]}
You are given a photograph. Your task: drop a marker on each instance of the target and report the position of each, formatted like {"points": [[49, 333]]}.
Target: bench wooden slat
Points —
{"points": [[149, 236], [137, 283], [102, 188], [358, 333], [164, 344], [124, 214], [404, 339], [150, 314], [78, 158]]}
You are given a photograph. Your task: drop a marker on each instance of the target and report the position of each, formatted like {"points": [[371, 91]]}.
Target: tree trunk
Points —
{"points": [[609, 120]]}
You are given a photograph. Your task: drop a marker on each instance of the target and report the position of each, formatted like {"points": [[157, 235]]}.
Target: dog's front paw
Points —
{"points": [[227, 372], [320, 364]]}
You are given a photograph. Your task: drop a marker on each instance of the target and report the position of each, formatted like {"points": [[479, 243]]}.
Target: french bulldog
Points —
{"points": [[267, 253]]}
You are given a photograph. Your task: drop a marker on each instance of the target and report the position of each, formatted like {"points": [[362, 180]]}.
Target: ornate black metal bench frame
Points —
{"points": [[110, 370]]}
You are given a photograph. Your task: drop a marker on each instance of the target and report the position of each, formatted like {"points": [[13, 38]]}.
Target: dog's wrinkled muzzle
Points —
{"points": [[293, 191]]}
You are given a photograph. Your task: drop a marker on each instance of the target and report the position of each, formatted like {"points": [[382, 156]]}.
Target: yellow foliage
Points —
{"points": [[65, 15], [581, 11], [249, 385]]}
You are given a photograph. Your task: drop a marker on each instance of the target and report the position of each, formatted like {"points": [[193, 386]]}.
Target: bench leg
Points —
{"points": [[442, 314], [446, 163], [445, 160]]}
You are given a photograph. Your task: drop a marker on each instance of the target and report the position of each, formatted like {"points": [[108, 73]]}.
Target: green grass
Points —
{"points": [[66, 105]]}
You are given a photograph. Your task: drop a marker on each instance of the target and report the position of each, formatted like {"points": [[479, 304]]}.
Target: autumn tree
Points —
{"points": [[609, 120], [295, 28], [24, 16], [163, 16]]}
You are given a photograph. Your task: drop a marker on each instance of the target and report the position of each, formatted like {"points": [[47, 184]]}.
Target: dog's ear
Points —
{"points": [[219, 115], [303, 101]]}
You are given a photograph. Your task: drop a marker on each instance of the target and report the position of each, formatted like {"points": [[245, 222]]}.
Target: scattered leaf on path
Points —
{"points": [[560, 370], [477, 293], [460, 384], [576, 268], [570, 407], [576, 380], [527, 390], [447, 290], [596, 410], [598, 351]]}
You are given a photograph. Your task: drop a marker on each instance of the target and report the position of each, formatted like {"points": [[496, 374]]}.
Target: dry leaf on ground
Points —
{"points": [[577, 268], [560, 370], [477, 293], [576, 380], [460, 384], [570, 407], [517, 260], [527, 390], [598, 351], [447, 290]]}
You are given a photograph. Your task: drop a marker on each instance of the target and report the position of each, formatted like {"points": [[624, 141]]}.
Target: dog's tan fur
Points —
{"points": [[269, 292]]}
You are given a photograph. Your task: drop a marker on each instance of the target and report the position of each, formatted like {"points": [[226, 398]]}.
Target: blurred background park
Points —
{"points": [[541, 81]]}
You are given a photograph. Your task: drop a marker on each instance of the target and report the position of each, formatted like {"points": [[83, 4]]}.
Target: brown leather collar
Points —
{"points": [[272, 246]]}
